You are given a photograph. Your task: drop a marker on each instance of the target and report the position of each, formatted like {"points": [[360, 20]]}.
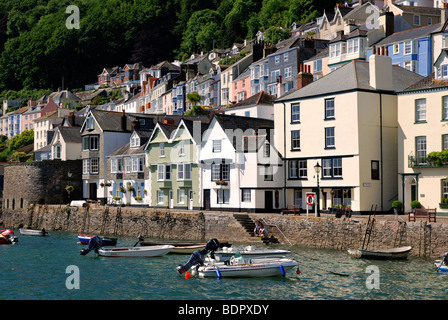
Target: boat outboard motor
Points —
{"points": [[94, 244], [445, 259], [197, 257]]}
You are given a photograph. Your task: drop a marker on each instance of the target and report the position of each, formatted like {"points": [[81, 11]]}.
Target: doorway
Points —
{"points": [[171, 199], [268, 201], [190, 200], [92, 191], [206, 199]]}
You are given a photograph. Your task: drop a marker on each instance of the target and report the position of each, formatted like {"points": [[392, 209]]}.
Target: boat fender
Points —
{"points": [[298, 270], [282, 270], [218, 273]]}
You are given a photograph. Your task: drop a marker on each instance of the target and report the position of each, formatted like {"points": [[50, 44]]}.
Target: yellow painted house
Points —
{"points": [[423, 140], [346, 122]]}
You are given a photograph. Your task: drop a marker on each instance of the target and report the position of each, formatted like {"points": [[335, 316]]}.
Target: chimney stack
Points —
{"points": [[304, 77], [380, 70], [123, 120]]}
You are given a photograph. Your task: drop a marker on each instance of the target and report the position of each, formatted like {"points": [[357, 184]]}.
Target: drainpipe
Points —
{"points": [[381, 151], [284, 153]]}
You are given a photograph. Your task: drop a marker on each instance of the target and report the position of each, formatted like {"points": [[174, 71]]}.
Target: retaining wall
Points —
{"points": [[427, 239]]}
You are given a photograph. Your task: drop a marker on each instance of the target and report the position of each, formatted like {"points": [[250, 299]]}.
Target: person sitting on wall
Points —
{"points": [[263, 233], [257, 228]]}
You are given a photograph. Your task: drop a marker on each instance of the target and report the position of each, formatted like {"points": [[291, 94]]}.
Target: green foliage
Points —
{"points": [[193, 98], [416, 204], [274, 34], [21, 140], [38, 49], [396, 204]]}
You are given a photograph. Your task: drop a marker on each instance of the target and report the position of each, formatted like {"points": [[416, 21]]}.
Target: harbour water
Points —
{"points": [[41, 268]]}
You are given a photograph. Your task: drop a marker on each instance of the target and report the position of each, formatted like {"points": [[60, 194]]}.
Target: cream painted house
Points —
{"points": [[66, 143], [423, 140], [349, 128]]}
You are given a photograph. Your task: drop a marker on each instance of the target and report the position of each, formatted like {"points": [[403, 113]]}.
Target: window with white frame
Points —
{"points": [[332, 168], [85, 166], [57, 151], [329, 137], [295, 139], [223, 195], [127, 164], [445, 108], [277, 59], [220, 171], [288, 72], [444, 188], [329, 109], [420, 149], [94, 165], [163, 172], [135, 141], [216, 145], [396, 47], [295, 112], [318, 65], [445, 142], [162, 149], [408, 47], [420, 110], [286, 56], [246, 197], [90, 142], [160, 197], [184, 171], [181, 196], [297, 169], [268, 173], [181, 148], [113, 165]]}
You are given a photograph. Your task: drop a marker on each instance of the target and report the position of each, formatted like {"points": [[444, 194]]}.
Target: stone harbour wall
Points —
{"points": [[427, 239]]}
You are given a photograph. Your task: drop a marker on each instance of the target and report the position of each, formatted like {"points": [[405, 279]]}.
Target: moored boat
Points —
{"points": [[442, 265], [144, 252], [249, 252], [7, 237], [241, 268], [179, 247], [384, 254], [105, 241], [31, 232]]}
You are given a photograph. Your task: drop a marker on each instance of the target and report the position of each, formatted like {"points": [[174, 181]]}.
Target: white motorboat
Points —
{"points": [[225, 254], [145, 252], [31, 232], [265, 267]]}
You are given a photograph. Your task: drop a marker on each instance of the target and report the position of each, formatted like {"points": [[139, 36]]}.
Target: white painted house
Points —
{"points": [[240, 168]]}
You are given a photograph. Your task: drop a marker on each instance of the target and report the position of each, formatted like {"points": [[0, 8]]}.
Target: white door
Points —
{"points": [[190, 200], [171, 199]]}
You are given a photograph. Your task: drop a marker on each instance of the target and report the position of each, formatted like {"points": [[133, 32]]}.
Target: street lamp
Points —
{"points": [[317, 168]]}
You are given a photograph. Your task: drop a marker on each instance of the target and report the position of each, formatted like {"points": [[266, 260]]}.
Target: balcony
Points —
{"points": [[429, 162]]}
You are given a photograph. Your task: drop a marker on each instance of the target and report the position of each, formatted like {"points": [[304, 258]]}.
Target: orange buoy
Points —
{"points": [[187, 275], [298, 270]]}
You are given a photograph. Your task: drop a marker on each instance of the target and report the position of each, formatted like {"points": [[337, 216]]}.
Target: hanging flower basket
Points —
{"points": [[69, 189], [122, 189], [130, 188]]}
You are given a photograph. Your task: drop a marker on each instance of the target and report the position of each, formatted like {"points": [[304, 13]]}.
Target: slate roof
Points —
{"points": [[70, 134], [428, 82], [237, 128], [261, 97], [410, 34], [355, 75]]}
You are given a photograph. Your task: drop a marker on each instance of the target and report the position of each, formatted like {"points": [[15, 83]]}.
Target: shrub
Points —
{"points": [[416, 204], [396, 204]]}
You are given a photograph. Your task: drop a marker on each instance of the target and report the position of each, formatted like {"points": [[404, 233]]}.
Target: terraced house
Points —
{"points": [[172, 156], [102, 133]]}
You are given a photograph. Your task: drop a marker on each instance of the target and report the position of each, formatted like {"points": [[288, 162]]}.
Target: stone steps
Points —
{"points": [[249, 225]]}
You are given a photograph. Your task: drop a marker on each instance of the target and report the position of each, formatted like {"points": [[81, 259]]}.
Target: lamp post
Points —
{"points": [[317, 168]]}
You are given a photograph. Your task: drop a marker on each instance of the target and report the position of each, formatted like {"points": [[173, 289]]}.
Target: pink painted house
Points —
{"points": [[33, 112], [240, 88]]}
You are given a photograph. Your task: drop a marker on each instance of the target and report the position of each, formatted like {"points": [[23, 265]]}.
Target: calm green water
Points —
{"points": [[35, 269]]}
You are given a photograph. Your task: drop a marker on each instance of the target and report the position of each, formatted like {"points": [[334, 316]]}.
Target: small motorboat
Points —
{"points": [[442, 265], [385, 254], [249, 252], [31, 232], [145, 252], [179, 247], [106, 241], [242, 268], [7, 237]]}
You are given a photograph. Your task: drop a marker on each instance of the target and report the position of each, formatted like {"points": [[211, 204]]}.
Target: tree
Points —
{"points": [[194, 98], [275, 34]]}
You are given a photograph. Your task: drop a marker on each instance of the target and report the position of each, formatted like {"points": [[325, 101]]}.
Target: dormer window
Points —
{"points": [[135, 141], [89, 123], [442, 71]]}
